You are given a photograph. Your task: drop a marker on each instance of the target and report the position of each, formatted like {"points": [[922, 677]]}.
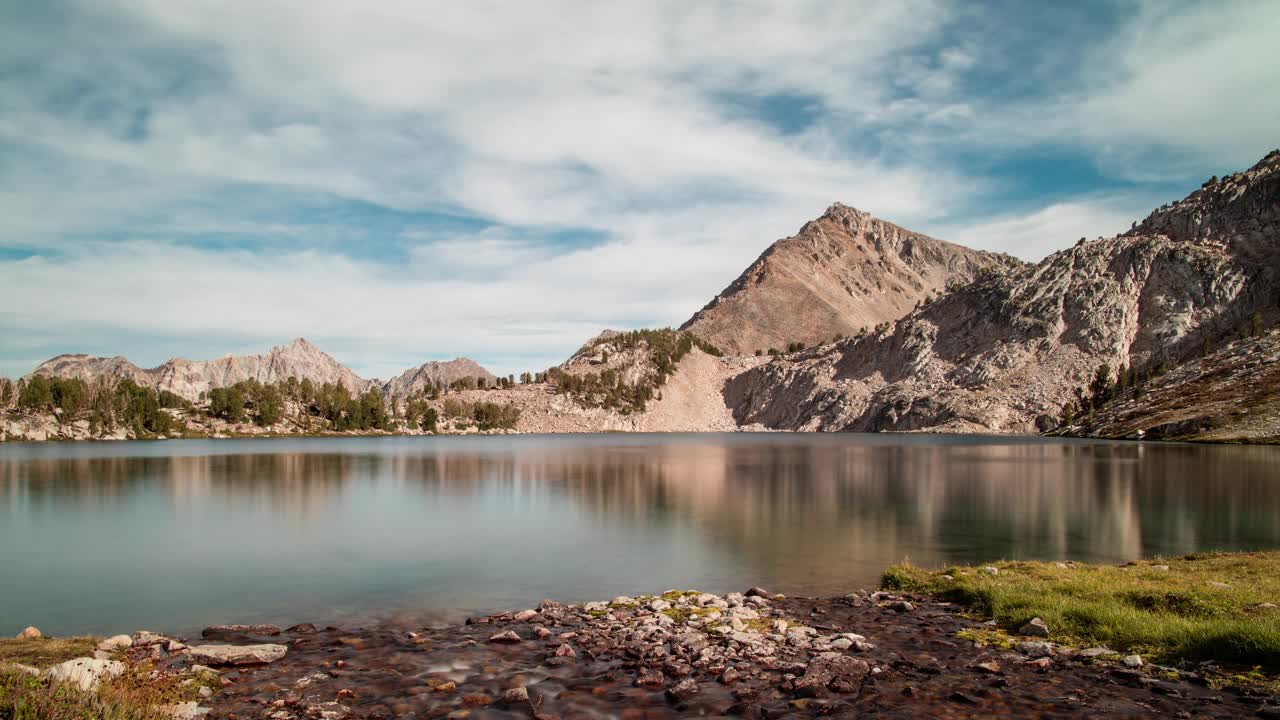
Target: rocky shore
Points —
{"points": [[679, 654]]}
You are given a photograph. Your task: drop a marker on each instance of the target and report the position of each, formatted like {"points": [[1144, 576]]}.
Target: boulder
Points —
{"points": [[237, 654], [85, 673], [30, 633], [115, 642]]}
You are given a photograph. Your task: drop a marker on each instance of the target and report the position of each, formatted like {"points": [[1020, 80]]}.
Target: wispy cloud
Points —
{"points": [[503, 180]]}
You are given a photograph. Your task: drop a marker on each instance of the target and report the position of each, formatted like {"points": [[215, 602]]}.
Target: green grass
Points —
{"points": [[1166, 614]]}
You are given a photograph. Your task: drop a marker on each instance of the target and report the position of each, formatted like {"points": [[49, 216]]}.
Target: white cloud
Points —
{"points": [[594, 117], [1033, 235]]}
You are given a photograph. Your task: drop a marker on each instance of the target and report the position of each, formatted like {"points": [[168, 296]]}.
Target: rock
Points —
{"points": [[542, 632], [991, 570], [692, 641], [824, 670], [1035, 628], [683, 690], [1040, 663], [1132, 661], [115, 642], [302, 629], [85, 673], [1034, 649], [842, 643], [565, 651], [190, 710], [509, 637], [729, 676], [526, 615], [447, 686], [1096, 652], [659, 605], [650, 678], [30, 633], [220, 630], [144, 638], [515, 696], [901, 606], [990, 667], [622, 600], [709, 600], [237, 654]]}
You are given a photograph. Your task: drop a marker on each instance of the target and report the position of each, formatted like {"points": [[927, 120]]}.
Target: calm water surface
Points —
{"points": [[176, 535]]}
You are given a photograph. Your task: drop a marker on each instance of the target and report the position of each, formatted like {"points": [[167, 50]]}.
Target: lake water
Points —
{"points": [[176, 535]]}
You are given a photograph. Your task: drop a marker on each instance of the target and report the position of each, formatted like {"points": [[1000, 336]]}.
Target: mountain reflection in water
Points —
{"points": [[175, 535]]}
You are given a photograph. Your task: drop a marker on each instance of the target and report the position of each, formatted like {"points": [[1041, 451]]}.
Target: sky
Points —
{"points": [[401, 181]]}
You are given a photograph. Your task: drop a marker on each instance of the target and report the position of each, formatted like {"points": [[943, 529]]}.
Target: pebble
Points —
{"points": [[683, 690], [1035, 628], [516, 696]]}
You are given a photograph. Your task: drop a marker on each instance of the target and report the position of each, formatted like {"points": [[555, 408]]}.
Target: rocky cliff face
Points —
{"points": [[1233, 393], [1007, 348], [189, 378], [416, 380], [842, 272]]}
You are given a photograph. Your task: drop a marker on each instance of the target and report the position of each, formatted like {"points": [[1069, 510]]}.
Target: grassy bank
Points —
{"points": [[1208, 606], [132, 696]]}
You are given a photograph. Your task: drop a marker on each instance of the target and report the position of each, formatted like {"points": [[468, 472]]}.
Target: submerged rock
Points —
{"points": [[240, 630]]}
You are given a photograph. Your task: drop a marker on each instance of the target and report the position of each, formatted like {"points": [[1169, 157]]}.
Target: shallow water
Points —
{"points": [[176, 535]]}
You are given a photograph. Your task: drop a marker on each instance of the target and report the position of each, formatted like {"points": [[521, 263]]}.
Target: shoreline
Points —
{"points": [[752, 654]]}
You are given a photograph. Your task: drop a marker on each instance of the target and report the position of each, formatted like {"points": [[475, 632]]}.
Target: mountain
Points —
{"points": [[1006, 351], [189, 378], [841, 273], [415, 380]]}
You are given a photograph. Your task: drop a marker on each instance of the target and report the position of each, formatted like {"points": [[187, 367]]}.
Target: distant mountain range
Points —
{"points": [[902, 331], [299, 359]]}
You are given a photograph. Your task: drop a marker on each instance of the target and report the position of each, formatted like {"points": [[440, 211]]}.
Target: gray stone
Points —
{"points": [[240, 630], [1034, 649], [1035, 628], [508, 636], [1132, 661], [237, 654], [115, 642], [85, 673], [991, 570], [185, 710]]}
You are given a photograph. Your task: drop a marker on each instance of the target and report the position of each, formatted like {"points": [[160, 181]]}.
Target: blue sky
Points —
{"points": [[401, 181]]}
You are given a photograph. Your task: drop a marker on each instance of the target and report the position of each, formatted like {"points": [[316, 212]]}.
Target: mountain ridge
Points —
{"points": [[843, 271]]}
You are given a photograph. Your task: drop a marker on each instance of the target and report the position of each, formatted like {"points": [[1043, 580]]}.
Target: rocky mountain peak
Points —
{"points": [[842, 272]]}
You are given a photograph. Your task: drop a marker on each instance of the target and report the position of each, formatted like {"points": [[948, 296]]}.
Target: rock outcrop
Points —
{"points": [[415, 380], [1010, 347], [841, 273]]}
